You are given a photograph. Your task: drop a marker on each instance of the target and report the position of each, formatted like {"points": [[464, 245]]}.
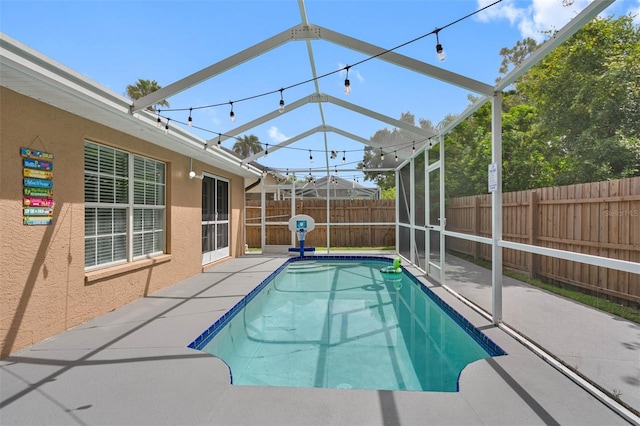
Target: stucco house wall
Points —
{"points": [[44, 288]]}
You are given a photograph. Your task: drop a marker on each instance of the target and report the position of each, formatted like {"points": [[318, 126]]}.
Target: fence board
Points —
{"points": [[599, 218], [340, 211]]}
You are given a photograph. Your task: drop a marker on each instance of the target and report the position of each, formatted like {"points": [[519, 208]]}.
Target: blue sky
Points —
{"points": [[116, 42]]}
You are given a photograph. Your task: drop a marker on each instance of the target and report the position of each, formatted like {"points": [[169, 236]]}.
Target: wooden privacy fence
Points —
{"points": [[600, 218], [371, 222]]}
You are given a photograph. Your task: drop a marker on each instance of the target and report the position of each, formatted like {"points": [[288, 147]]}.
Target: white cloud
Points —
{"points": [[534, 20], [276, 135]]}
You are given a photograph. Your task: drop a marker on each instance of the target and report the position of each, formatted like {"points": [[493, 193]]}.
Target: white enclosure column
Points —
{"points": [[263, 216], [496, 208], [443, 219]]}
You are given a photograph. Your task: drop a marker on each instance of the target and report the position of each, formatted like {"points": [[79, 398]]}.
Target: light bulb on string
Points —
{"points": [[281, 109], [219, 141], [266, 150], [347, 83], [414, 147], [310, 157], [381, 155], [344, 157], [396, 155], [190, 120], [166, 128], [159, 120], [439, 49], [232, 115]]}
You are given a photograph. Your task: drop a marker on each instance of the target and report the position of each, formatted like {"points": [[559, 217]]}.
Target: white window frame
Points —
{"points": [[144, 208]]}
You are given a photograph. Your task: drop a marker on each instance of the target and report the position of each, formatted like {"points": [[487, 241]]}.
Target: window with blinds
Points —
{"points": [[124, 206]]}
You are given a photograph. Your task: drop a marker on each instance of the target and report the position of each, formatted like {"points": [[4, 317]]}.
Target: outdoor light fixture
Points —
{"points": [[192, 174], [439, 49], [344, 157], [396, 154], [347, 83], [281, 109], [166, 127], [381, 155], [232, 115], [310, 157], [190, 120], [334, 154], [219, 141], [414, 147], [566, 3], [159, 121], [266, 150]]}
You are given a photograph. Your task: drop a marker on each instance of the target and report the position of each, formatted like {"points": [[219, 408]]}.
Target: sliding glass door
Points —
{"points": [[215, 219]]}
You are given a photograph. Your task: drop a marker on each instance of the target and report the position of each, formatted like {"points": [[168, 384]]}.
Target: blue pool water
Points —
{"points": [[340, 323]]}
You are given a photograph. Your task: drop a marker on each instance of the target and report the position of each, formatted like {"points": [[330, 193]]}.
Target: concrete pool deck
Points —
{"points": [[132, 367]]}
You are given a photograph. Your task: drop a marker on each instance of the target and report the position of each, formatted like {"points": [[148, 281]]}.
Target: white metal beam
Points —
{"points": [[579, 21], [285, 143], [496, 210], [380, 117], [215, 69], [404, 61], [263, 119]]}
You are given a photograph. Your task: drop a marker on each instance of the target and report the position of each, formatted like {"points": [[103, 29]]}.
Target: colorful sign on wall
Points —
{"points": [[37, 186]]}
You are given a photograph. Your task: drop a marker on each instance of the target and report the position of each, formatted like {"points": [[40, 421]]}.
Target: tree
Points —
{"points": [[587, 96], [512, 58], [389, 140], [247, 145], [144, 87]]}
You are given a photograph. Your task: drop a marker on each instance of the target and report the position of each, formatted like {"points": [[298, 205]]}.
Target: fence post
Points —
{"points": [[532, 232], [476, 226]]}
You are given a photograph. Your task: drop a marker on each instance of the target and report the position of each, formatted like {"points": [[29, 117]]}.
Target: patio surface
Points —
{"points": [[132, 367]]}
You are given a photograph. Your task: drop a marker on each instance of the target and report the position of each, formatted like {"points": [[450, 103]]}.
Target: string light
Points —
{"points": [[347, 83], [266, 150], [166, 128], [439, 49], [310, 157], [159, 121], [281, 109], [414, 147], [567, 3], [396, 155], [344, 157], [219, 141], [381, 155], [190, 120]]}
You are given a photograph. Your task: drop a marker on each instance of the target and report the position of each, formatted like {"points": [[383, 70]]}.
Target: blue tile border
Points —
{"points": [[483, 340]]}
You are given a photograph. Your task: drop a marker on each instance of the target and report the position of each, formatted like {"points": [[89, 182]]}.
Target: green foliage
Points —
{"points": [[389, 140], [142, 88], [573, 118], [389, 193], [247, 145], [587, 94]]}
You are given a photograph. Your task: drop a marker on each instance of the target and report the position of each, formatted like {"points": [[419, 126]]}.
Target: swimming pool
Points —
{"points": [[338, 322]]}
